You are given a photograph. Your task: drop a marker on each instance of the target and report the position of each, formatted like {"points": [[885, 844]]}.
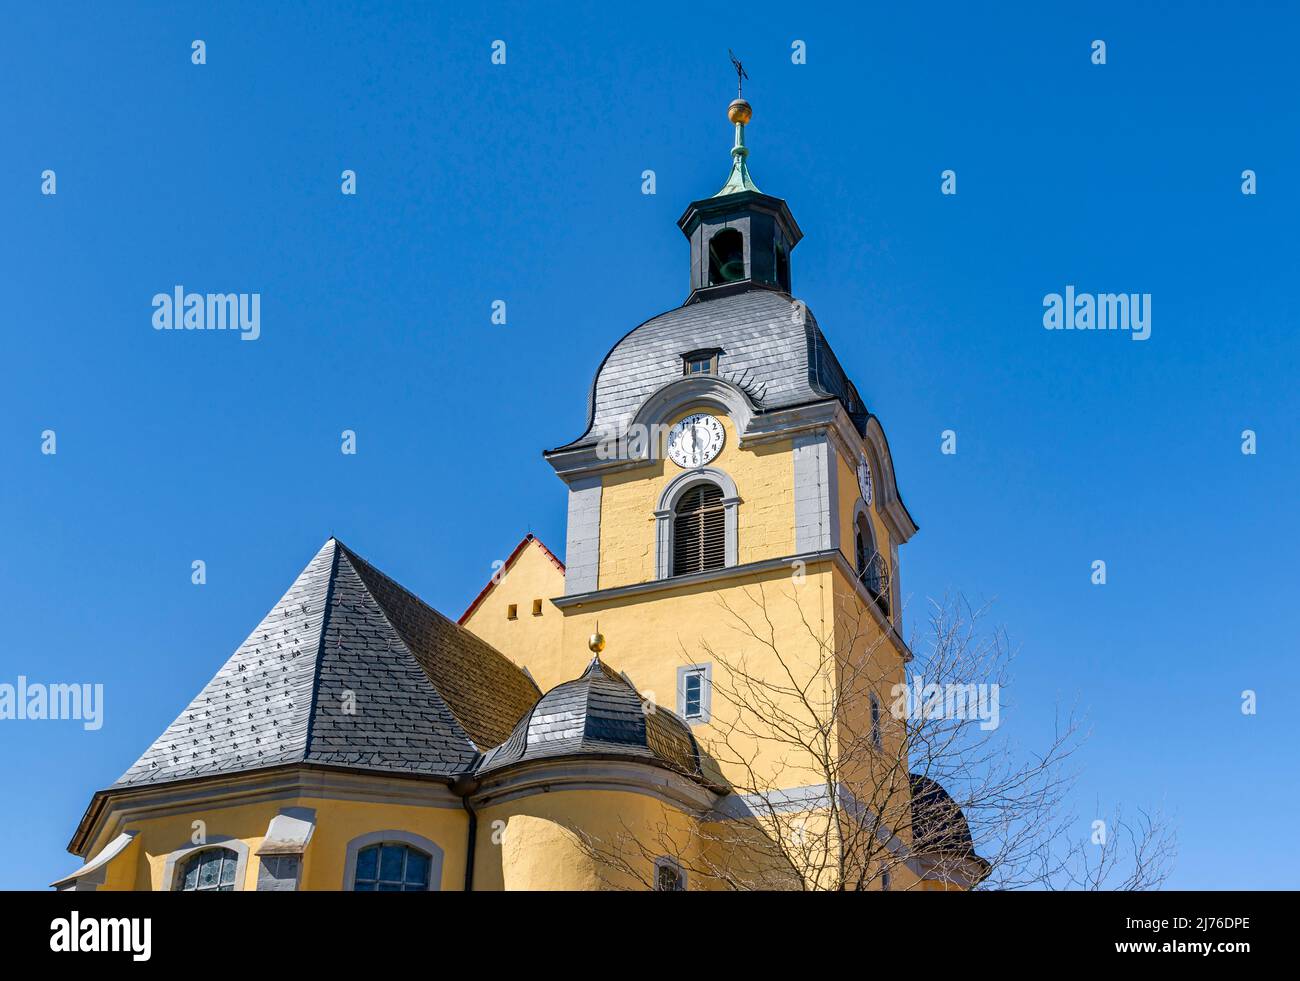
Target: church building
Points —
{"points": [[592, 722]]}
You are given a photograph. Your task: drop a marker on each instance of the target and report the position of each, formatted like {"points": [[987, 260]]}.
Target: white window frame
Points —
{"points": [[705, 673]]}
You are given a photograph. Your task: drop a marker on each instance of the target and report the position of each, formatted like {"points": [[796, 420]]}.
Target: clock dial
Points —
{"points": [[695, 440], [864, 479]]}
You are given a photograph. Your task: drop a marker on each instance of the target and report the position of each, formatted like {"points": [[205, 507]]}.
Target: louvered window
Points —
{"points": [[699, 531]]}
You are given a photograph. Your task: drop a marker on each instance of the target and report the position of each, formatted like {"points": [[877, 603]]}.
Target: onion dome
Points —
{"points": [[599, 716]]}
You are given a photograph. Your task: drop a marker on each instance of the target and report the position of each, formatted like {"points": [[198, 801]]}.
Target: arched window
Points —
{"points": [[726, 257], [669, 875], [873, 571], [695, 523], [391, 867], [209, 870], [699, 531]]}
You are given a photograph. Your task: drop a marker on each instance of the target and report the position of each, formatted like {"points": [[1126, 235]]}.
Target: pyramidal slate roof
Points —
{"points": [[771, 350], [599, 715], [348, 669]]}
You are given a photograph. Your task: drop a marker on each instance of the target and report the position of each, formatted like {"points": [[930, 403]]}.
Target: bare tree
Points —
{"points": [[852, 769]]}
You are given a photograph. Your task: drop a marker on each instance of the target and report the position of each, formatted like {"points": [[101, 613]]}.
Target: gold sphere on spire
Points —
{"points": [[596, 642], [740, 111]]}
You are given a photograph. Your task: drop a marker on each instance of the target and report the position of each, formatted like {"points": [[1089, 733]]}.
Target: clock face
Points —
{"points": [[864, 479], [695, 440]]}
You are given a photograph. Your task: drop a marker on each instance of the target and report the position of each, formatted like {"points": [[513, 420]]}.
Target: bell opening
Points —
{"points": [[726, 257]]}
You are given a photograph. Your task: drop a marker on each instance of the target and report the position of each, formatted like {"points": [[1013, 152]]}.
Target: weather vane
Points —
{"points": [[740, 74]]}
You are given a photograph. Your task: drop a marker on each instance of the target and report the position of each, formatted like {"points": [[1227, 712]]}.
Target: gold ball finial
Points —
{"points": [[740, 111], [596, 642]]}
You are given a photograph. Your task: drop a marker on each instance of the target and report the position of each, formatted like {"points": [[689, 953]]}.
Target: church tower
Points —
{"points": [[726, 449], [734, 517]]}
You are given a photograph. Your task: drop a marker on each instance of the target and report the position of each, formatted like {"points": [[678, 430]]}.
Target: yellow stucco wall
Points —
{"points": [[764, 477], [141, 866], [530, 641], [580, 840]]}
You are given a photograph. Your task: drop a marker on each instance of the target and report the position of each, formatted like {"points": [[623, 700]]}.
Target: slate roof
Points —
{"points": [[938, 825], [426, 696], [777, 358], [598, 714]]}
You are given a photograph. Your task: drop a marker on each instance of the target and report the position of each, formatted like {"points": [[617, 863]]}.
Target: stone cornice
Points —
{"points": [[120, 805]]}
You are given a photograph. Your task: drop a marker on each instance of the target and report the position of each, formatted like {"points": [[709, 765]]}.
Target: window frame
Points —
{"points": [[666, 515], [703, 671], [174, 865], [396, 837], [707, 356]]}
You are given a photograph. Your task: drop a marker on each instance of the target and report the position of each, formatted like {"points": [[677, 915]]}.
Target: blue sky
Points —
{"points": [[522, 182]]}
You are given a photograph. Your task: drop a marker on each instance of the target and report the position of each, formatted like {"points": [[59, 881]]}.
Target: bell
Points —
{"points": [[733, 270]]}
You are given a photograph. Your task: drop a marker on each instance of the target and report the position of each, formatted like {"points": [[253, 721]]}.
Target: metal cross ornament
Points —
{"points": [[740, 74]]}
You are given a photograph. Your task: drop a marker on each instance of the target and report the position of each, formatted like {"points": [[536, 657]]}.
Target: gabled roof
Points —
{"points": [[348, 669], [492, 582]]}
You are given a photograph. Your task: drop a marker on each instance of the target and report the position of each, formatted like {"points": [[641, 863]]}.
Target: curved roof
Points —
{"points": [[938, 825], [598, 714], [772, 349]]}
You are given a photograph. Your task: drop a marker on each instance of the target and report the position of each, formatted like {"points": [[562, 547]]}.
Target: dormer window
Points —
{"points": [[701, 362]]}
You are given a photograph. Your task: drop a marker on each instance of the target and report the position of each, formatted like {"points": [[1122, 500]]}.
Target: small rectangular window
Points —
{"points": [[703, 362], [537, 608], [694, 695], [695, 692], [512, 611]]}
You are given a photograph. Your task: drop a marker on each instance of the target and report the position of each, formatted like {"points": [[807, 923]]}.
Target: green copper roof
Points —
{"points": [[739, 179]]}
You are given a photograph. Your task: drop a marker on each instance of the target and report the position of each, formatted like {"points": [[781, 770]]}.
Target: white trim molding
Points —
{"points": [[91, 875]]}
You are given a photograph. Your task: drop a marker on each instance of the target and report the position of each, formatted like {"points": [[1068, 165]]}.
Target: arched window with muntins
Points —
{"points": [[391, 867], [210, 870], [699, 531]]}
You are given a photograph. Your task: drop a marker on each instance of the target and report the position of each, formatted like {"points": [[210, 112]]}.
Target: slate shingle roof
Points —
{"points": [[772, 350], [347, 669], [599, 714], [938, 825]]}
